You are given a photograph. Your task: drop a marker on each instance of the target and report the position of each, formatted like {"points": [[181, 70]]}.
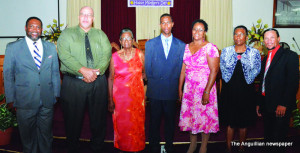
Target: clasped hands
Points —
{"points": [[89, 75]]}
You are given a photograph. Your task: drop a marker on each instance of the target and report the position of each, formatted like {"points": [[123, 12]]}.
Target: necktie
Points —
{"points": [[167, 47], [37, 57], [89, 55], [266, 70]]}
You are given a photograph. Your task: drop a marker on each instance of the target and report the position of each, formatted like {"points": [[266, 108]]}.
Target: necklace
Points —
{"points": [[128, 58]]}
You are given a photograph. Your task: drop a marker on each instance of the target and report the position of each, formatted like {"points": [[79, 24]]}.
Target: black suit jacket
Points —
{"points": [[281, 82]]}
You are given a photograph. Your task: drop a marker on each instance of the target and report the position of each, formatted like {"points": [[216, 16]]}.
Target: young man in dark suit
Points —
{"points": [[32, 84], [163, 61], [279, 85]]}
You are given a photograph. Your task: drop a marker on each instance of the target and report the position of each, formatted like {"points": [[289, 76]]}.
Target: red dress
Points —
{"points": [[128, 96]]}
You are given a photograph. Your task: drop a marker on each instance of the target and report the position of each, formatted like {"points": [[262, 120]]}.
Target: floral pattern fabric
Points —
{"points": [[194, 116], [251, 63]]}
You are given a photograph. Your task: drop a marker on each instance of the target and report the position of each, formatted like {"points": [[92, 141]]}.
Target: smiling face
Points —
{"points": [[126, 40], [198, 31], [271, 40], [86, 18], [34, 29], [240, 37], [166, 25]]}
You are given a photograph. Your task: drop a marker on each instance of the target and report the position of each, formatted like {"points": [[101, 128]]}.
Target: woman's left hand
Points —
{"points": [[205, 99]]}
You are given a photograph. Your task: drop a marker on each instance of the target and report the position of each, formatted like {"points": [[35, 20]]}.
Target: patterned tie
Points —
{"points": [[89, 55], [37, 57], [266, 70]]}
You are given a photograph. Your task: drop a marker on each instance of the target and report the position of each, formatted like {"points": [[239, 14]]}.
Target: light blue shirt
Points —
{"points": [[165, 45]]}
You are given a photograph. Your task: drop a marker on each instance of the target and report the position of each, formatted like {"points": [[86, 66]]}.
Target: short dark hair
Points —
{"points": [[126, 30], [200, 21], [241, 27], [33, 17], [164, 15], [271, 29]]}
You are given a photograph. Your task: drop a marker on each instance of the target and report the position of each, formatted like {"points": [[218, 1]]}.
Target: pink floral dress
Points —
{"points": [[194, 116]]}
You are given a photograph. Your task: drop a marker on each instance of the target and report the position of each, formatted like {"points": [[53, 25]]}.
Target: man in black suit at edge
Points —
{"points": [[279, 85]]}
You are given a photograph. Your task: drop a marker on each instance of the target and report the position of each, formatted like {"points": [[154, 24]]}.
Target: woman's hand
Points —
{"points": [[205, 98], [111, 106]]}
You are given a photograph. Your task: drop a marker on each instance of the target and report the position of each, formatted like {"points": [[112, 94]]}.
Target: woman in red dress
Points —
{"points": [[126, 95]]}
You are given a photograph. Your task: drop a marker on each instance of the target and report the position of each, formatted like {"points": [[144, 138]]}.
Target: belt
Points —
{"points": [[73, 76], [77, 76]]}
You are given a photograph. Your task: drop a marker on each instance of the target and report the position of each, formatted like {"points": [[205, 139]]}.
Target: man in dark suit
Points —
{"points": [[279, 85], [163, 61], [32, 84]]}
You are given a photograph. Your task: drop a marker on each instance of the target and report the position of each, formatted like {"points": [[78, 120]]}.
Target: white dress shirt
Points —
{"points": [[31, 46]]}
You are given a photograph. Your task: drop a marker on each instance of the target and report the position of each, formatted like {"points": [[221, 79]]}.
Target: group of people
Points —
{"points": [[173, 70]]}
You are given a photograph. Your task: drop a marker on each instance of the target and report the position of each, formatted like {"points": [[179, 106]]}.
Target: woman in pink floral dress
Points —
{"points": [[199, 109]]}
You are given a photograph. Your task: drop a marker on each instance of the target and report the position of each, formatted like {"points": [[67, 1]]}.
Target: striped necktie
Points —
{"points": [[266, 71], [37, 57]]}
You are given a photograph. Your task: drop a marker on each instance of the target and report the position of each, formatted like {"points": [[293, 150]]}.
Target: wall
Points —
{"points": [[7, 5], [247, 12]]}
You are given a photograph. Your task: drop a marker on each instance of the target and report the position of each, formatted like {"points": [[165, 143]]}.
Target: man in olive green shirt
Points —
{"points": [[84, 53]]}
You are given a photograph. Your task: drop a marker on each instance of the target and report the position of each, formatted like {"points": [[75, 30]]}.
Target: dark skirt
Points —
{"points": [[237, 106]]}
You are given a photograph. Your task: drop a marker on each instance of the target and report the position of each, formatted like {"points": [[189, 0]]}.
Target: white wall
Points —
{"points": [[8, 10], [247, 12]]}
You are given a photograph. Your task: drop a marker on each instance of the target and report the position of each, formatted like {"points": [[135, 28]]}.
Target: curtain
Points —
{"points": [[183, 14], [74, 6], [218, 15], [115, 15], [148, 21]]}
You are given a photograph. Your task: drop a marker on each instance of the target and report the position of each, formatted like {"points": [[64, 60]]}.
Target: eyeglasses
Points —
{"points": [[86, 15], [200, 29], [126, 38], [239, 34]]}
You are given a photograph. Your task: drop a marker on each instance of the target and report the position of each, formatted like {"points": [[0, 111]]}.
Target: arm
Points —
{"points": [[256, 65], [181, 81], [142, 57], [111, 105], [9, 75], [64, 52], [291, 85], [55, 73], [213, 64], [148, 59], [106, 49]]}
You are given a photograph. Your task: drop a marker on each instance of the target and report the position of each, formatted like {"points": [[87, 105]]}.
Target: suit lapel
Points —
{"points": [[276, 58], [26, 56], [161, 52], [45, 47], [173, 47]]}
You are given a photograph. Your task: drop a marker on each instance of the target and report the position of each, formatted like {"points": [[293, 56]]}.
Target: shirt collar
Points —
{"points": [[31, 42], [164, 38], [82, 32]]}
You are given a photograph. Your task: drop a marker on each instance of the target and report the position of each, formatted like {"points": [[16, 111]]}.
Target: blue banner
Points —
{"points": [[150, 3]]}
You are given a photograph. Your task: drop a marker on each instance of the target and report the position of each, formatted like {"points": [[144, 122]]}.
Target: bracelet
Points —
{"points": [[206, 92]]}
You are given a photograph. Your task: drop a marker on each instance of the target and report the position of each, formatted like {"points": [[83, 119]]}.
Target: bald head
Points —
{"points": [[86, 8]]}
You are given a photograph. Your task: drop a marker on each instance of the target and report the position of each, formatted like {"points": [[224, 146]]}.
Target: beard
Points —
{"points": [[29, 35]]}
